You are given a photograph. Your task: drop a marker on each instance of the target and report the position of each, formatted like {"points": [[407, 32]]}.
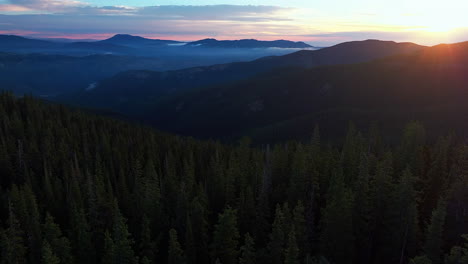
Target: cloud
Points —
{"points": [[75, 19], [46, 5], [187, 22], [214, 12]]}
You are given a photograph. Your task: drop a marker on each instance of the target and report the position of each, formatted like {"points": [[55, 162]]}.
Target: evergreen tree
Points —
{"points": [[277, 237], [190, 248], [291, 254], [362, 211], [109, 250], [383, 218], [434, 234], [226, 238], [337, 238], [57, 243], [458, 255], [147, 245], [299, 226], [81, 236], [48, 256], [247, 255], [421, 260], [175, 253], [408, 216], [12, 245], [199, 222], [122, 242]]}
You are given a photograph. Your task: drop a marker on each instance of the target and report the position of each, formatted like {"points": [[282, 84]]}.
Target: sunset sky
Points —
{"points": [[317, 22]]}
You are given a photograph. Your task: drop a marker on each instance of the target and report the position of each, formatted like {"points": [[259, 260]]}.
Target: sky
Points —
{"points": [[318, 22]]}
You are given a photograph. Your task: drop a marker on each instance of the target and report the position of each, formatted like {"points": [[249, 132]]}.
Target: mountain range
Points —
{"points": [[124, 44], [26, 64], [283, 97], [429, 85], [127, 90], [248, 43], [271, 98]]}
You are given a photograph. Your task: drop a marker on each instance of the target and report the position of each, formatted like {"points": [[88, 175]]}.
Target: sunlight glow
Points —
{"points": [[422, 21]]}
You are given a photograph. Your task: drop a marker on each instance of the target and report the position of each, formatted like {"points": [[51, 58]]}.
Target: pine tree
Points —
{"points": [[199, 222], [12, 245], [291, 254], [109, 250], [175, 253], [226, 238], [58, 244], [362, 211], [408, 216], [458, 254], [147, 246], [421, 260], [263, 205], [337, 237], [385, 247], [247, 255], [81, 236], [151, 191], [48, 256], [434, 234], [190, 248], [122, 242], [277, 237], [299, 225], [297, 182]]}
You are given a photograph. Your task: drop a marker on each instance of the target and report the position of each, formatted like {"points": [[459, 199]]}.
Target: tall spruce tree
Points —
{"points": [[408, 229], [13, 249], [277, 237], [247, 251], [291, 254], [337, 237], [434, 234], [57, 243], [122, 242], [226, 238], [175, 253], [48, 255]]}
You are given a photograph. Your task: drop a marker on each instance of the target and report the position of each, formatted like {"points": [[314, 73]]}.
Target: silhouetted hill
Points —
{"points": [[348, 52], [136, 89], [430, 85], [248, 43], [17, 42], [125, 39]]}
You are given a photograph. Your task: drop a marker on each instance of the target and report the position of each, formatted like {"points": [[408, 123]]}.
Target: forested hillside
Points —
{"points": [[134, 92], [79, 188], [429, 85]]}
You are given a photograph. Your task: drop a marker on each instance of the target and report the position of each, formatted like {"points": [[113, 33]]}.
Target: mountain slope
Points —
{"points": [[430, 85], [137, 89], [16, 42], [32, 73]]}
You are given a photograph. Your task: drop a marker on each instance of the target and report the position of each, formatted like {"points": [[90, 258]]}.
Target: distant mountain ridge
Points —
{"points": [[125, 44], [248, 43], [126, 39]]}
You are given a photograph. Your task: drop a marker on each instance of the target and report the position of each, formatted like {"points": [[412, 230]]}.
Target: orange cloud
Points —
{"points": [[14, 8]]}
